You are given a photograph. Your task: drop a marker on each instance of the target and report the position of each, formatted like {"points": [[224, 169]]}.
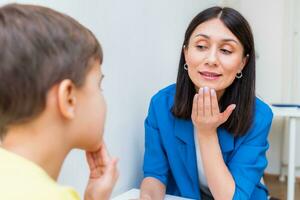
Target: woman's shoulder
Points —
{"points": [[262, 109], [261, 124], [163, 100], [164, 94], [263, 117]]}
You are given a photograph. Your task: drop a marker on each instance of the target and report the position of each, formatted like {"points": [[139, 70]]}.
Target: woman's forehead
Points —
{"points": [[213, 29]]}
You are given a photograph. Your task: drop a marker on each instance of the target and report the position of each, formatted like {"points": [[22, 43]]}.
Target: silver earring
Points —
{"points": [[239, 75], [185, 66]]}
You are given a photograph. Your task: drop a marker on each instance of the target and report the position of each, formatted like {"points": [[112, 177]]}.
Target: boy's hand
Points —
{"points": [[103, 174]]}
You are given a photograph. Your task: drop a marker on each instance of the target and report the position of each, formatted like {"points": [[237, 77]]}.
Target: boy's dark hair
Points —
{"points": [[241, 91], [39, 48]]}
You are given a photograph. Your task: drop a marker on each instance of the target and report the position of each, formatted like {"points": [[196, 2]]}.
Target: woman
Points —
{"points": [[206, 136]]}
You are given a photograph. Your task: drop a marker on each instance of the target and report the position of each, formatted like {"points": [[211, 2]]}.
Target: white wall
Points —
{"points": [[141, 42], [296, 87]]}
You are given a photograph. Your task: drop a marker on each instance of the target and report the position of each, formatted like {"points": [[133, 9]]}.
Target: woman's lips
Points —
{"points": [[210, 75]]}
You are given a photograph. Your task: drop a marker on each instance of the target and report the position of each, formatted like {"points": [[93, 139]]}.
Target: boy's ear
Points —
{"points": [[67, 98]]}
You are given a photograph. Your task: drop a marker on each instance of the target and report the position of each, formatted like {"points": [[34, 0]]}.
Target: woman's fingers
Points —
{"points": [[200, 104], [207, 102], [225, 115], [214, 103], [205, 110], [195, 107]]}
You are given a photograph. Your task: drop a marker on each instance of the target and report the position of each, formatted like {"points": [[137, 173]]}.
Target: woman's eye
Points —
{"points": [[201, 47], [225, 51]]}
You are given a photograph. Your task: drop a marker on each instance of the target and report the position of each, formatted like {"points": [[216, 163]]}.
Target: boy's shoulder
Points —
{"points": [[28, 180]]}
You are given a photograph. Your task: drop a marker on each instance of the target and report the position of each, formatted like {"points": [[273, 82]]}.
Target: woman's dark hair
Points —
{"points": [[39, 48], [241, 91]]}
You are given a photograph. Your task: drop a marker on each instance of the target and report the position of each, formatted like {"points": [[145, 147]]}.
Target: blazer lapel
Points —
{"points": [[184, 132]]}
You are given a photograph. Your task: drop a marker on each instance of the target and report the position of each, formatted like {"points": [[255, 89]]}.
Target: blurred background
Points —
{"points": [[142, 42]]}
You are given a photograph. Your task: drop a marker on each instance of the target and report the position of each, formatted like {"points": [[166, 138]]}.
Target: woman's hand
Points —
{"points": [[206, 115], [103, 174]]}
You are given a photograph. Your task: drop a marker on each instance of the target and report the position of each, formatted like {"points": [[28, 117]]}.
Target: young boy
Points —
{"points": [[50, 103]]}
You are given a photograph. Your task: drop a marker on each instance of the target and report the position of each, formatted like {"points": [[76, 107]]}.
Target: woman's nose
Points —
{"points": [[212, 57]]}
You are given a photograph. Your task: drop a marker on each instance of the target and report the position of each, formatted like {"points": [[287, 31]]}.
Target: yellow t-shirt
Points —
{"points": [[21, 179]]}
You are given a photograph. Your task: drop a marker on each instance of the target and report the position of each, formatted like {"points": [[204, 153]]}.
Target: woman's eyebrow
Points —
{"points": [[230, 40], [223, 40], [203, 35]]}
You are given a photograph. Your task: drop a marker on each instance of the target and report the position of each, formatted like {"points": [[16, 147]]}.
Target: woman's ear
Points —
{"points": [[185, 51], [244, 61], [67, 98]]}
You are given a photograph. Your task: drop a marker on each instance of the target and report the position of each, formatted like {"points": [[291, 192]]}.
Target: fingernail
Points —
{"points": [[201, 90], [233, 106], [213, 92], [205, 89]]}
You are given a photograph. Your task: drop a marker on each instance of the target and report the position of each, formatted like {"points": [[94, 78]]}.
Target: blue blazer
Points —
{"points": [[170, 154]]}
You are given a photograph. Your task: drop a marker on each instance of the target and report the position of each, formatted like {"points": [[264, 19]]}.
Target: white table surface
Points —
{"points": [[286, 111], [134, 194]]}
